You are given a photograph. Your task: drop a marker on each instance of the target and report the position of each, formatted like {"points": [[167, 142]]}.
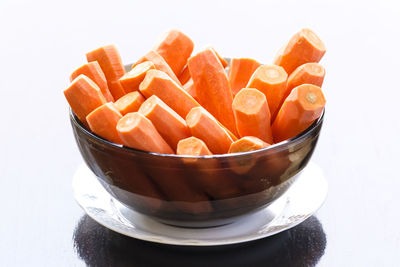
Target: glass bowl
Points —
{"points": [[194, 191]]}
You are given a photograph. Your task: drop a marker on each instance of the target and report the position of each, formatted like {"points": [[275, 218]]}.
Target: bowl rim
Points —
{"points": [[276, 146]]}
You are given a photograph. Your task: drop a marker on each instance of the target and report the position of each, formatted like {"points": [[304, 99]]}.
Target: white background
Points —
{"points": [[42, 42]]}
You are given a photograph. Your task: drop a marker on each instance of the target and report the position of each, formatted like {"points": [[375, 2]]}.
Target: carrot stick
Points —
{"points": [[132, 79], [305, 46], [311, 73], [221, 59], [189, 88], [134, 188], [247, 143], [138, 132], [83, 96], [178, 189], [212, 87], [192, 146], [93, 71], [270, 80], [103, 122], [110, 62], [130, 102], [206, 173], [300, 109], [204, 126], [116, 89], [175, 47], [252, 114], [240, 71], [160, 84], [159, 63], [168, 123], [184, 76]]}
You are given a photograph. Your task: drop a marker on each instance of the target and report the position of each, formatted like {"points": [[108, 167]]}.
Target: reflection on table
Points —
{"points": [[302, 245]]}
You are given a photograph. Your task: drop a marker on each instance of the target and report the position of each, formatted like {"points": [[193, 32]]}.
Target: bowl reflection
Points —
{"points": [[302, 245]]}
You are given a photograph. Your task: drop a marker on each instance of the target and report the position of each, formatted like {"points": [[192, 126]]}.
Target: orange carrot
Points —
{"points": [[189, 88], [131, 80], [212, 87], [184, 76], [252, 114], [300, 109], [138, 132], [207, 174], [177, 187], [221, 59], [311, 73], [175, 47], [240, 71], [130, 102], [116, 89], [93, 71], [83, 96], [192, 146], [305, 46], [247, 143], [204, 126], [270, 80], [160, 84], [110, 62], [159, 63], [168, 123], [103, 122]]}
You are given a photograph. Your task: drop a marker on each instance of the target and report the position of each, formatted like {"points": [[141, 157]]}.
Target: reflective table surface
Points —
{"points": [[358, 150]]}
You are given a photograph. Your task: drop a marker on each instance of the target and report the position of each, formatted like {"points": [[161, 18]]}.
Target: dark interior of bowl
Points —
{"points": [[195, 191]]}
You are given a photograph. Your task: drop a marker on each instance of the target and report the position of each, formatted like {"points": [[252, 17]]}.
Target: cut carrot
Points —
{"points": [[132, 79], [130, 102], [221, 59], [83, 96], [245, 164], [305, 46], [116, 89], [240, 71], [270, 80], [109, 60], [212, 87], [300, 109], [184, 76], [247, 143], [175, 47], [160, 84], [206, 173], [204, 126], [178, 189], [252, 114], [190, 89], [138, 132], [103, 122], [311, 73], [93, 71], [168, 123], [159, 63], [192, 146]]}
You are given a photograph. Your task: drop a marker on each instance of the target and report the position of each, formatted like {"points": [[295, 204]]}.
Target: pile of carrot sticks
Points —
{"points": [[176, 102]]}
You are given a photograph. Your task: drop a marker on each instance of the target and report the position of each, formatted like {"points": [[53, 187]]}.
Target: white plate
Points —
{"points": [[303, 198]]}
